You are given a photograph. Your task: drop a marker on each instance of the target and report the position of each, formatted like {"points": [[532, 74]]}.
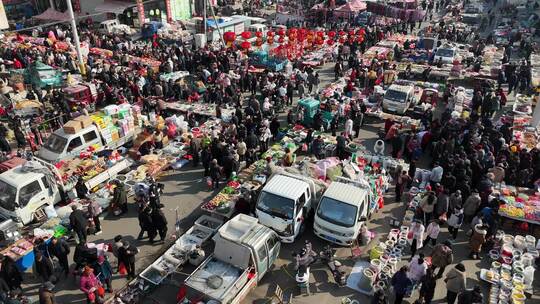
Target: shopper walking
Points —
{"points": [[401, 183], [159, 221], [46, 294], [478, 239], [401, 283], [59, 249], [455, 282], [90, 285], [94, 210], [79, 223], [454, 222], [427, 205], [103, 271], [126, 255], [119, 201], [429, 283], [43, 267], [416, 236], [441, 257], [432, 232], [145, 222]]}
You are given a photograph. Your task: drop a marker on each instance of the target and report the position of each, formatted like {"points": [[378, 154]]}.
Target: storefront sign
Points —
{"points": [[140, 10]]}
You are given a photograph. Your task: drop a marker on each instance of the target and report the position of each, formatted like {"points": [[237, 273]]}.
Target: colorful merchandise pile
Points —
{"points": [[520, 206], [511, 275]]}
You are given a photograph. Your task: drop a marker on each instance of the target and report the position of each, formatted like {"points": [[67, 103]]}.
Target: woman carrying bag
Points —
{"points": [[91, 286]]}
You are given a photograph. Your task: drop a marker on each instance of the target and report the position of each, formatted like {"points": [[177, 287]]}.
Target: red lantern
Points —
{"points": [[303, 32], [246, 35], [330, 42], [332, 34], [320, 34], [342, 33], [319, 41], [229, 36], [351, 39], [281, 39], [270, 34], [258, 34], [281, 32], [361, 32], [270, 40], [351, 32], [359, 39], [341, 40], [246, 45]]}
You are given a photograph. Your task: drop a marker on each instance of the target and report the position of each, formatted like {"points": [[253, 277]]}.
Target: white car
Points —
{"points": [[445, 54]]}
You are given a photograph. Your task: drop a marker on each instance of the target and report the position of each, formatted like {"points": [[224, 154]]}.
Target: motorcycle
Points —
{"points": [[327, 256], [304, 259]]}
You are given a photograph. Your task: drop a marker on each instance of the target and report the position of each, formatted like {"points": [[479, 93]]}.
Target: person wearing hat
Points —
{"points": [[46, 295], [59, 248], [126, 255], [103, 271], [81, 189], [79, 223], [159, 221], [89, 284]]}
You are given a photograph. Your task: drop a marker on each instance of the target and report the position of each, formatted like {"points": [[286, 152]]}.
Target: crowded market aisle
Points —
{"points": [[456, 138]]}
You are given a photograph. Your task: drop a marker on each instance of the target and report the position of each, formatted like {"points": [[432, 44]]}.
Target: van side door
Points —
{"points": [[91, 138], [299, 213], [74, 146], [274, 245], [262, 259]]}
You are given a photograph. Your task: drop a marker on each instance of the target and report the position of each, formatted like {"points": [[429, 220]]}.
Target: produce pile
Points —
{"points": [[224, 200], [522, 206]]}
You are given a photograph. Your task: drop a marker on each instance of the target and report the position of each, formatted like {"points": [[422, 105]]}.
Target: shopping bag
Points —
{"points": [[101, 291], [122, 269]]}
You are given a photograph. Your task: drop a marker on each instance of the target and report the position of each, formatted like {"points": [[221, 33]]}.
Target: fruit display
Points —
{"points": [[216, 201]]}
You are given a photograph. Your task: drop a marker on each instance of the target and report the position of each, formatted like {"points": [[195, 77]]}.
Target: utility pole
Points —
{"points": [[204, 21], [76, 41]]}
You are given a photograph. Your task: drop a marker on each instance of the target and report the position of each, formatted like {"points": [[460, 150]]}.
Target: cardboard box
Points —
{"points": [[86, 121], [72, 127]]}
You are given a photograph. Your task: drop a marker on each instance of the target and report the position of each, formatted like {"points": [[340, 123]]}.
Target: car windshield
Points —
{"points": [[445, 52], [396, 95], [55, 143], [337, 212], [7, 196], [276, 205]]}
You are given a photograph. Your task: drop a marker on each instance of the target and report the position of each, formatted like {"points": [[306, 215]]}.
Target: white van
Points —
{"points": [[446, 54], [258, 28], [106, 27], [61, 145], [341, 213], [399, 98]]}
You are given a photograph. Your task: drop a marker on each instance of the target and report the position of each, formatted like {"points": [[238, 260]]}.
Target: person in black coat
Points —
{"points": [[79, 223], [43, 267], [215, 173], [146, 224], [11, 273], [159, 222], [81, 189], [59, 248], [126, 255], [206, 158]]}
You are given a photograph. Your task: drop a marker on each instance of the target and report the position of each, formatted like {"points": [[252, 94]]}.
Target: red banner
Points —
{"points": [[140, 9], [169, 10], [76, 6]]}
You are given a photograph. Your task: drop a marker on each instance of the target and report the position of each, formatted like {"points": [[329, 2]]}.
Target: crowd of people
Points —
{"points": [[468, 156]]}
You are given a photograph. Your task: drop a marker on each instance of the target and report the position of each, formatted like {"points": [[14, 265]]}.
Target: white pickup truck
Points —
{"points": [[285, 202], [245, 250], [28, 188], [61, 145]]}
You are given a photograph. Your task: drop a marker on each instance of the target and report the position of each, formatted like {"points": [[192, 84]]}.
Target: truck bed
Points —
{"points": [[234, 279]]}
